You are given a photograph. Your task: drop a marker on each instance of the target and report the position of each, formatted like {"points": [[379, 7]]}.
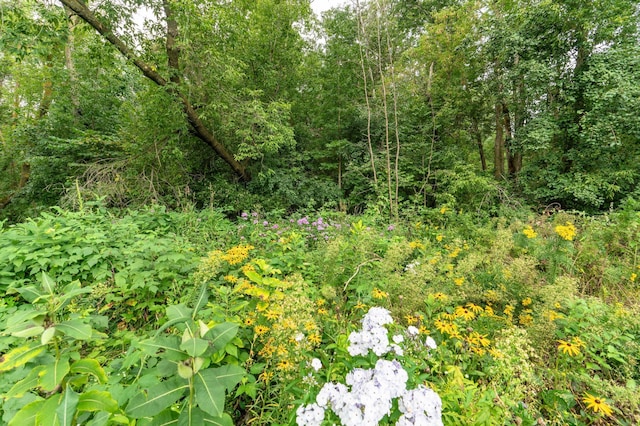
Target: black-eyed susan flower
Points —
{"points": [[379, 294], [314, 338], [284, 365], [597, 404], [529, 232], [440, 296], [474, 308], [568, 348], [360, 305], [458, 281], [260, 329], [526, 302], [465, 313]]}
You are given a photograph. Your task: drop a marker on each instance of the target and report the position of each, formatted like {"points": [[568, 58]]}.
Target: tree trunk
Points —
{"points": [[200, 129], [498, 149], [478, 135], [514, 158]]}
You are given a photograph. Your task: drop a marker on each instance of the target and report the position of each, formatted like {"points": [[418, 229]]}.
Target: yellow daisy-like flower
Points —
{"points": [[447, 316], [566, 232], [553, 315], [310, 326], [260, 329], [439, 238], [465, 313], [440, 296], [323, 311], [230, 279], [526, 302], [578, 342], [272, 314], [249, 321], [360, 305], [508, 310], [568, 348], [265, 376], [379, 294], [529, 232], [474, 308], [411, 320], [458, 281], [416, 245], [454, 253], [288, 323], [284, 365], [314, 338], [423, 330], [633, 277], [320, 302], [597, 404]]}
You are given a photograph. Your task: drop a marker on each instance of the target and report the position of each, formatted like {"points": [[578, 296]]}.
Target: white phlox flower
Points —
{"points": [[316, 364], [373, 335], [420, 406], [430, 343], [398, 338], [412, 331], [309, 415]]}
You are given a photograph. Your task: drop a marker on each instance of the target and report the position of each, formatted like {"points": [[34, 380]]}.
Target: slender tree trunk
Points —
{"points": [[200, 129], [47, 88], [72, 20], [478, 135], [396, 164], [498, 149]]}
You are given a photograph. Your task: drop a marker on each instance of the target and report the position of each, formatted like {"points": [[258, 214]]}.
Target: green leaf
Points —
{"points": [[89, 366], [203, 297], [195, 347], [224, 420], [29, 382], [166, 418], [100, 419], [76, 328], [191, 416], [48, 415], [20, 356], [253, 276], [47, 335], [54, 373], [228, 375], [209, 392], [175, 312], [27, 414], [29, 330], [30, 293], [47, 283], [156, 398], [222, 334], [167, 346], [67, 407], [95, 400]]}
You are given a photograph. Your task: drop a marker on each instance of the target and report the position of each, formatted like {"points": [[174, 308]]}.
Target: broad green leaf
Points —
{"points": [[157, 398], [222, 334], [195, 347], [47, 283], [89, 366], [67, 407], [30, 293], [166, 346], [175, 312], [253, 276], [47, 335], [191, 416], [76, 328], [209, 392], [29, 330], [95, 400], [100, 419], [203, 297], [23, 386], [166, 418], [27, 414], [224, 420], [20, 356], [48, 415], [228, 375], [53, 374], [24, 318]]}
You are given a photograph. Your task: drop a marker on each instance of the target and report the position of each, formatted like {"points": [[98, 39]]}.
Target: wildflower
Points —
{"points": [[230, 279], [416, 245], [458, 281], [299, 337], [420, 406], [379, 294], [272, 314], [578, 342], [391, 227], [430, 343], [474, 308], [249, 321], [314, 338], [439, 238], [237, 254], [597, 404], [568, 348], [454, 253], [633, 277], [566, 232], [310, 326], [316, 364], [441, 297], [265, 376], [496, 353], [320, 302], [508, 310], [323, 311], [553, 315], [411, 319], [373, 334], [525, 319], [526, 302], [412, 331], [529, 232], [443, 210], [309, 415], [423, 330], [359, 305], [465, 313], [284, 365], [260, 329], [398, 338]]}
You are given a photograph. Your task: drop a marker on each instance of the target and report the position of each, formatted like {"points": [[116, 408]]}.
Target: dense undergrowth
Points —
{"points": [[152, 317]]}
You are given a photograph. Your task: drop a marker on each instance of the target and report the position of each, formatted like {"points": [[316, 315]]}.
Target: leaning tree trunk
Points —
{"points": [[199, 128]]}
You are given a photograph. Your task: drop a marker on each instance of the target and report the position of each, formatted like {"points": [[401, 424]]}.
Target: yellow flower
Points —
{"points": [[443, 210], [526, 302], [237, 254], [496, 353], [525, 319], [423, 330], [441, 297], [323, 311], [265, 376], [553, 315], [455, 253], [568, 348], [633, 277], [379, 294], [566, 232], [310, 326], [529, 232], [410, 319], [249, 321], [578, 342], [458, 281], [447, 316], [360, 305], [314, 338], [597, 404], [284, 365], [439, 238], [272, 314], [474, 308], [230, 279], [260, 329], [508, 310], [288, 323], [320, 302], [463, 312], [416, 245]]}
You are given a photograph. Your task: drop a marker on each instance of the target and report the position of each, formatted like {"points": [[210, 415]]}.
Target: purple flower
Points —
{"points": [[254, 214], [275, 226], [244, 215], [391, 227], [265, 223], [303, 221]]}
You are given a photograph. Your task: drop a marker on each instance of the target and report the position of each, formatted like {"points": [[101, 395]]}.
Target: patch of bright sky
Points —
{"points": [[320, 6]]}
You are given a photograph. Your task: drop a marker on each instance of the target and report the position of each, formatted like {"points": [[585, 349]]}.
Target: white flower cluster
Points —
{"points": [[373, 335], [373, 390]]}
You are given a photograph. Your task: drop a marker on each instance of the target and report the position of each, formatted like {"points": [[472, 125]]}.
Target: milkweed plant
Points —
{"points": [[369, 394]]}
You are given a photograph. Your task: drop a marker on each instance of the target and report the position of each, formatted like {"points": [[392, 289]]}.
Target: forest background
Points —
{"points": [[201, 199]]}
